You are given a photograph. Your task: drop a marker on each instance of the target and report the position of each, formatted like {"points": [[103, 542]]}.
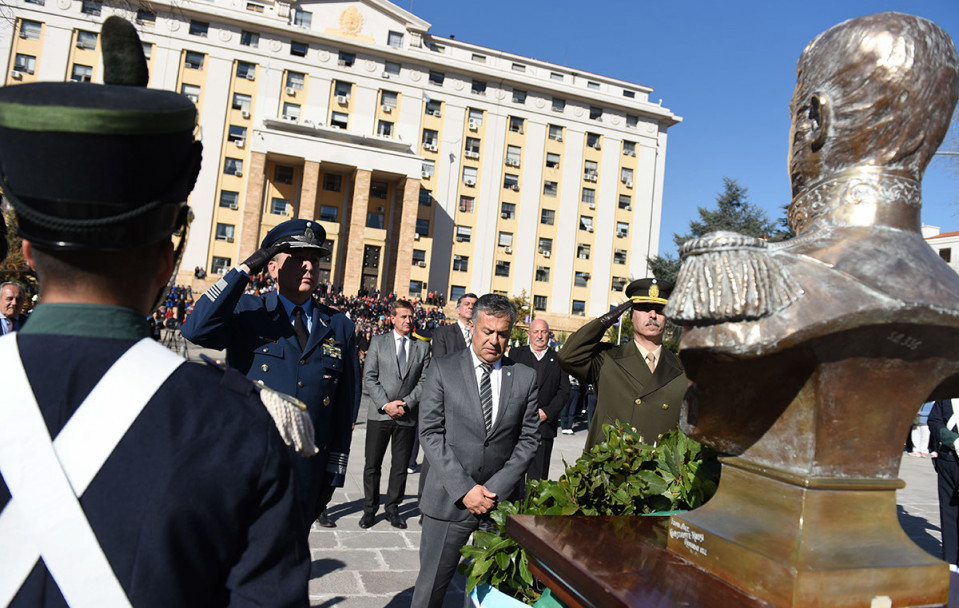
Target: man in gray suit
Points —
{"points": [[478, 424], [452, 338], [392, 381]]}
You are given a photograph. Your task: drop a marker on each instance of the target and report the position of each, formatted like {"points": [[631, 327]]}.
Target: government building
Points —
{"points": [[432, 164]]}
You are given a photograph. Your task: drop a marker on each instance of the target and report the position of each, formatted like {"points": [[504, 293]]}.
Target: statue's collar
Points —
{"points": [[861, 196]]}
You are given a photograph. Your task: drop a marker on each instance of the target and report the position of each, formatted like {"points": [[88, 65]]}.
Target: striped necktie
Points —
{"points": [[486, 396]]}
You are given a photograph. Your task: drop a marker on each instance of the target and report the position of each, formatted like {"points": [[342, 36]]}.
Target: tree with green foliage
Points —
{"points": [[732, 212], [15, 267]]}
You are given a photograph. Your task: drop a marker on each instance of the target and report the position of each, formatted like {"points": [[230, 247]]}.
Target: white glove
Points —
{"points": [[291, 419]]}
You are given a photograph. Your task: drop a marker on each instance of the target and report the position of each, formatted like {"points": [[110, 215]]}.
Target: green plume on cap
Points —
{"points": [[123, 59]]}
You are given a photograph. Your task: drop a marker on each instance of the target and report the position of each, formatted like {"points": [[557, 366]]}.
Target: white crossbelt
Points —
{"points": [[953, 423], [44, 518]]}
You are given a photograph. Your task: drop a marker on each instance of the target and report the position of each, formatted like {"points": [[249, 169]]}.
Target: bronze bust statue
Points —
{"points": [[808, 358]]}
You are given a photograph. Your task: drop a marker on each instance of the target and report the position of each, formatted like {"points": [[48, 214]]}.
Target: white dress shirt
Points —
{"points": [[495, 379]]}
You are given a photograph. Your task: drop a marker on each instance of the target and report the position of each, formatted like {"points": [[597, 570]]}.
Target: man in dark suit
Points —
{"points": [[11, 308], [293, 344], [640, 383], [552, 387], [452, 338], [478, 422], [943, 435], [393, 377]]}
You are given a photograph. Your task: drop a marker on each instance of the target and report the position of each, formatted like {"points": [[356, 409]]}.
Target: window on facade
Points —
{"points": [[632, 121], [91, 7], [593, 141], [472, 147], [550, 188], [539, 302], [464, 234], [629, 94], [250, 39], [542, 274], [26, 64], [508, 211], [556, 132], [593, 86], [283, 174], [469, 176], [279, 206], [437, 78], [516, 124], [619, 256], [245, 69], [81, 73], [456, 292], [589, 195], [478, 88], [518, 67], [220, 265], [466, 204], [295, 80], [583, 251], [590, 170], [426, 197], [547, 216], [255, 7], [618, 284], [342, 88], [232, 166], [552, 160], [505, 239], [437, 48], [384, 128], [502, 268], [416, 288], [394, 39], [192, 91], [193, 60], [332, 182], [346, 59], [434, 107], [199, 28], [298, 49], [236, 134], [545, 245], [519, 96], [291, 111], [626, 175], [389, 99], [586, 223], [476, 116], [229, 199], [559, 104], [511, 181], [479, 58], [375, 219], [379, 190], [513, 154], [85, 40], [581, 279], [302, 18], [625, 201], [339, 120], [595, 113], [556, 76], [629, 148], [241, 102], [145, 17], [419, 255], [622, 229], [946, 254], [579, 308], [224, 232], [391, 68], [430, 138], [422, 227], [461, 263], [428, 169]]}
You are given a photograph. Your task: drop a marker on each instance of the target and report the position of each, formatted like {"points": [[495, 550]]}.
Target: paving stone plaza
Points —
{"points": [[375, 568]]}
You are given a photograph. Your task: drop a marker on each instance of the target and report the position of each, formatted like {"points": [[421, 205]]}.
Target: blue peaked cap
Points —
{"points": [[302, 234]]}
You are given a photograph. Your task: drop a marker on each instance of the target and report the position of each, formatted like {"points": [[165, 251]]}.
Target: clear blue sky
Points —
{"points": [[728, 68]]}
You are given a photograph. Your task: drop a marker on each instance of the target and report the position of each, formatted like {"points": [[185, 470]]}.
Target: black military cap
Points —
{"points": [[649, 290], [301, 234], [425, 334]]}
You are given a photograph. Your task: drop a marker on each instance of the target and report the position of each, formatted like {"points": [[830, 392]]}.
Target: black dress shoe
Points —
{"points": [[396, 521], [367, 520], [324, 521]]}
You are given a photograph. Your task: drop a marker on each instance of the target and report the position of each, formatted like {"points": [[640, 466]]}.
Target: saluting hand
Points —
{"points": [[256, 262]]}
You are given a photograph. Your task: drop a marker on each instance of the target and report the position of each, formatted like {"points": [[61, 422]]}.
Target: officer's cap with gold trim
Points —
{"points": [[301, 234], [649, 291], [423, 334], [101, 167]]}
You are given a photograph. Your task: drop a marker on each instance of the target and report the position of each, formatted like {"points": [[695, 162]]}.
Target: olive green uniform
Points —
{"points": [[625, 388]]}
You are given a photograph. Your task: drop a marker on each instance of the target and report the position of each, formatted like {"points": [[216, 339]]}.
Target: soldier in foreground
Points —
{"points": [[165, 483]]}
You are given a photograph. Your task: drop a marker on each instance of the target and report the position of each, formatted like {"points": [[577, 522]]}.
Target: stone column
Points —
{"points": [[403, 239], [353, 264], [252, 206], [308, 189]]}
